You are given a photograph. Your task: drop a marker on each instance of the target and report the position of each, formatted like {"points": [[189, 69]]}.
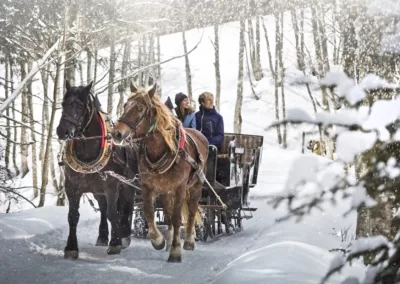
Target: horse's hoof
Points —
{"points": [[102, 242], [188, 246], [175, 258], [159, 246], [71, 254], [114, 250], [126, 242]]}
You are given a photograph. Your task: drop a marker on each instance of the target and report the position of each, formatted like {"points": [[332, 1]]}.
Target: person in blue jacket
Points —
{"points": [[208, 121], [184, 111]]}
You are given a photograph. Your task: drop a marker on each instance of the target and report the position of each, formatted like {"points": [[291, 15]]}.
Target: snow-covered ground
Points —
{"points": [[32, 241]]}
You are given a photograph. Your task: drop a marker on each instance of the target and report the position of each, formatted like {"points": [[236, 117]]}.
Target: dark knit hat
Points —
{"points": [[179, 98]]}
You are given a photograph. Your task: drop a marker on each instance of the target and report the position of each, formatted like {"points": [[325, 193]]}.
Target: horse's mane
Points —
{"points": [[166, 122]]}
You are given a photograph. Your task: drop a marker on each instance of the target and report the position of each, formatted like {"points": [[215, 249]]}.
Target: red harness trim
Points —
{"points": [[183, 137], [102, 126]]}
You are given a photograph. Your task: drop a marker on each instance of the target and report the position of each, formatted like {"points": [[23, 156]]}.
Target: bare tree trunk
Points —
{"points": [[47, 154], [14, 151], [81, 72], [159, 89], [24, 133], [111, 73], [45, 112], [33, 137], [239, 100], [258, 74], [277, 74], [150, 59], [322, 35], [139, 60], [187, 69], [89, 66], [95, 67], [8, 125], [217, 69], [282, 76], [124, 68], [300, 55], [271, 66], [302, 31]]}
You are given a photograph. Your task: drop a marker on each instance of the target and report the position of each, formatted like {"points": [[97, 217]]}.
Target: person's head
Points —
{"points": [[206, 100], [183, 104]]}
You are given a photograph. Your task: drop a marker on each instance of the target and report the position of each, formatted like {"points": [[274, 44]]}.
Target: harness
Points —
{"points": [[68, 155]]}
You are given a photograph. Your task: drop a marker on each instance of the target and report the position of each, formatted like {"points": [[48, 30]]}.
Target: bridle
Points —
{"points": [[133, 137], [91, 110]]}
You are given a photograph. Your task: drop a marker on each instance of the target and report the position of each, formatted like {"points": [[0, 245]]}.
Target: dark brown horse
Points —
{"points": [[171, 164], [87, 156]]}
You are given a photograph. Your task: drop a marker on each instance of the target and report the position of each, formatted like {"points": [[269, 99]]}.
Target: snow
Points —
{"points": [[361, 198], [368, 244], [351, 143], [32, 241]]}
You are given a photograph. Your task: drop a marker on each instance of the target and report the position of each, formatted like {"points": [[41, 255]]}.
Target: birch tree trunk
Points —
{"points": [[217, 69], [271, 65], [45, 113], [111, 74], [95, 68], [277, 74], [89, 66], [124, 68], [8, 125], [14, 151], [159, 89], [239, 99], [47, 154], [33, 137], [187, 67], [24, 132], [258, 74], [282, 77], [300, 55]]}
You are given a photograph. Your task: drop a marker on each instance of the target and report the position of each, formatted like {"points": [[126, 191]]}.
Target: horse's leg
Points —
{"points": [[74, 196], [193, 204], [157, 239], [126, 200], [102, 240], [112, 214], [175, 252], [167, 210]]}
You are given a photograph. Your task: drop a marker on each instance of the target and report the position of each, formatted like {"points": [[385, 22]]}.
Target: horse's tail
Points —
{"points": [[185, 211]]}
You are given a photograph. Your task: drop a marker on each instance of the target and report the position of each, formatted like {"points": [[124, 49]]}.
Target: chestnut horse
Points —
{"points": [[171, 164]]}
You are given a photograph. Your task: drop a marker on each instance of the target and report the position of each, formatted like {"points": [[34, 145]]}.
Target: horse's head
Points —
{"points": [[76, 111], [139, 116]]}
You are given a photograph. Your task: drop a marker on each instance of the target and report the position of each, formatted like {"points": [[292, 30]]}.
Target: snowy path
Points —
{"points": [[32, 242]]}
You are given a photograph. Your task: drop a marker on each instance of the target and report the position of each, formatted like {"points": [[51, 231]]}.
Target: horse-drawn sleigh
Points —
{"points": [[170, 162], [231, 172]]}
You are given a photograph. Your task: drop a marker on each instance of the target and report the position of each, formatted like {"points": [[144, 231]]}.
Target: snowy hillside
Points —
{"points": [[32, 241]]}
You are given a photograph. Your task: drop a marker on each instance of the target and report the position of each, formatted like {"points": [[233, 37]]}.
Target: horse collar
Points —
{"points": [[104, 156]]}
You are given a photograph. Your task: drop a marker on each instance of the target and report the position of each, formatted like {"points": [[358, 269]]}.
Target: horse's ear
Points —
{"points": [[133, 88], [67, 85], [152, 91], [89, 87]]}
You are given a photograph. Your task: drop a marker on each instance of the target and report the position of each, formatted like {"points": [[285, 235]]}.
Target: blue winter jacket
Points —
{"points": [[189, 121], [211, 124]]}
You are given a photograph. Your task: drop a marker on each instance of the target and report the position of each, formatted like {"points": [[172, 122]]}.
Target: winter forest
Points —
{"points": [[316, 81]]}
